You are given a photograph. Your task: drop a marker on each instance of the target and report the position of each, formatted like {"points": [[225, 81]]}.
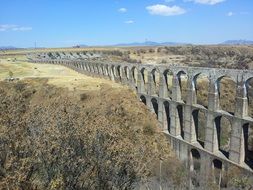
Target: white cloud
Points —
{"points": [[22, 28], [207, 2], [12, 27], [5, 27], [129, 22], [122, 10], [230, 13], [165, 10]]}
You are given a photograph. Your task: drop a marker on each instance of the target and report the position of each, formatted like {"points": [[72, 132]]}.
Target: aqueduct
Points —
{"points": [[172, 93]]}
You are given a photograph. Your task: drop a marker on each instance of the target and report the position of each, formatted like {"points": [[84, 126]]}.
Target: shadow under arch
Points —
{"points": [[154, 103], [182, 82], [143, 99], [166, 116], [223, 129]]}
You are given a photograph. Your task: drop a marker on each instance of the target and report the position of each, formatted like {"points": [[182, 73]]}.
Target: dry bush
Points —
{"points": [[51, 138]]}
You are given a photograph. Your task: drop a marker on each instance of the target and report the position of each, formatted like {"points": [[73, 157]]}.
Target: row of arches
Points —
{"points": [[222, 125], [180, 87]]}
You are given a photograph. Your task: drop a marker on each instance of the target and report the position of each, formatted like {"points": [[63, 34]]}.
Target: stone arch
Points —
{"points": [[127, 72], [217, 167], [181, 119], [223, 129], [144, 80], [195, 166], [166, 116], [249, 88], [226, 87], [112, 72], [155, 81], [199, 122], [134, 75], [106, 68], [182, 82], [154, 104], [118, 72], [143, 99], [168, 76], [248, 144], [201, 86]]}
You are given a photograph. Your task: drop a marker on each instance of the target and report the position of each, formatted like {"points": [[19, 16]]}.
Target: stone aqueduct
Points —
{"points": [[178, 118]]}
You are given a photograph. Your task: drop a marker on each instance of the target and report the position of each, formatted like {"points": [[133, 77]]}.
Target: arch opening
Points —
{"points": [[182, 81], [143, 100], [118, 72], [223, 128], [168, 75], [155, 106], [144, 74], [199, 119], [155, 81], [134, 73], [249, 87], [126, 72], [195, 167], [181, 119], [201, 84], [166, 116], [248, 144], [217, 173], [227, 94]]}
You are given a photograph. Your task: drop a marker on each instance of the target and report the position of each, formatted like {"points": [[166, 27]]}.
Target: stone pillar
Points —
{"points": [[175, 122], [149, 84], [211, 137], [189, 125], [140, 83], [176, 91], [163, 90], [237, 144], [160, 112]]}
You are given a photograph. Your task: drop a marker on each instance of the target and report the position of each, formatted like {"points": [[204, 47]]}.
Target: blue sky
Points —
{"points": [[58, 23]]}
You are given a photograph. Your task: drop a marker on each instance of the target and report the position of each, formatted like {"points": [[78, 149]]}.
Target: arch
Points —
{"points": [[195, 167], [144, 80], [181, 119], [168, 76], [106, 70], [127, 72], [134, 75], [155, 75], [182, 81], [227, 93], [154, 103], [217, 167], [223, 128], [166, 116], [143, 99], [118, 72], [249, 88], [112, 72], [201, 86], [248, 144], [199, 121]]}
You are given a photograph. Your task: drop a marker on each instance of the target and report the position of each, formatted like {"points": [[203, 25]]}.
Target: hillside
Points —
{"points": [[69, 131]]}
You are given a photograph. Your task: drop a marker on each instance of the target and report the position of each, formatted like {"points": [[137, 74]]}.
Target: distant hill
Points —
{"points": [[238, 42], [149, 43], [8, 48]]}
